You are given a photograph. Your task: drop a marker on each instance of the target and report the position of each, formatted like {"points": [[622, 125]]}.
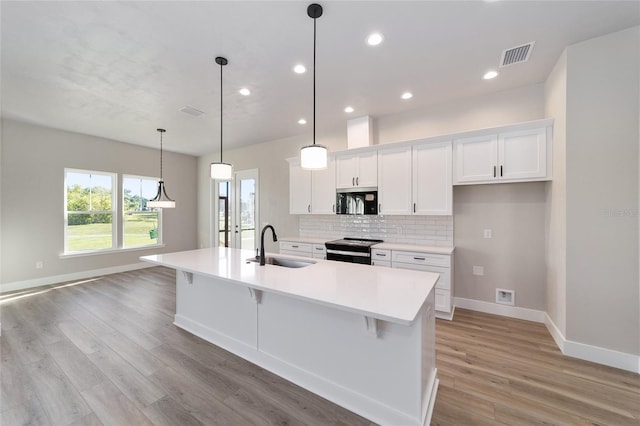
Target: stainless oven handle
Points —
{"points": [[348, 253]]}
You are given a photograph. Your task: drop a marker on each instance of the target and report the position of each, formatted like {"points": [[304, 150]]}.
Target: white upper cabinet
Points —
{"points": [[522, 154], [394, 181], [323, 189], [357, 170], [432, 179], [312, 192], [509, 156], [476, 158], [299, 189]]}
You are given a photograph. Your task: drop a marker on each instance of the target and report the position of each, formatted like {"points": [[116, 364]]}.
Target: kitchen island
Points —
{"points": [[361, 337]]}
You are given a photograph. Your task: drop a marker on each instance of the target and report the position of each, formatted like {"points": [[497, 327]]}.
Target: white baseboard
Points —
{"points": [[591, 353], [504, 310], [55, 279]]}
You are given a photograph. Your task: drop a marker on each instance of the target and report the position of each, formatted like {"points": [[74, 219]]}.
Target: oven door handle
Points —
{"points": [[348, 253]]}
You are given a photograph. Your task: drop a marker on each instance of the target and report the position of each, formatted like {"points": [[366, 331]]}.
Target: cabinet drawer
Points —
{"points": [[444, 282], [379, 254], [301, 249], [417, 258], [376, 262], [443, 300]]}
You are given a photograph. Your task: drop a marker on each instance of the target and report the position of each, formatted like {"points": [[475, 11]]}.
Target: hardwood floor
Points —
{"points": [[104, 351]]}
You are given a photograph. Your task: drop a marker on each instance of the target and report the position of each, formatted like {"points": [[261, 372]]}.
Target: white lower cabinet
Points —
{"points": [[296, 249], [319, 251], [381, 257], [430, 262]]}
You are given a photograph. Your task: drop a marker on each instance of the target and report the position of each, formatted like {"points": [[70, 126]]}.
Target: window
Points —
{"points": [[141, 224], [223, 214], [90, 211]]}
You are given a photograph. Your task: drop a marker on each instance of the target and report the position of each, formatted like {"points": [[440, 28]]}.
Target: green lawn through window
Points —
{"points": [[96, 236]]}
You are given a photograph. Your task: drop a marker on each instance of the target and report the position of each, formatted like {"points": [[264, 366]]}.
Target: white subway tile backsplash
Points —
{"points": [[421, 230]]}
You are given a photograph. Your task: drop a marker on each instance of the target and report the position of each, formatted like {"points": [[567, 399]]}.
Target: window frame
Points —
{"points": [[113, 212], [159, 242]]}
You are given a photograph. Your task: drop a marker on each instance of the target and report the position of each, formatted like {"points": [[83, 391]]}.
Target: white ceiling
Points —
{"points": [[121, 69]]}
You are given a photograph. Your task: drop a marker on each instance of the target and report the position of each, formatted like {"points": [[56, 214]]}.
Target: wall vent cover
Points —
{"points": [[191, 111], [516, 55]]}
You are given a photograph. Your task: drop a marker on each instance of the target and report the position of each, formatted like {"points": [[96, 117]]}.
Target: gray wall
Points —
{"points": [[602, 191], [514, 257], [33, 163], [522, 104]]}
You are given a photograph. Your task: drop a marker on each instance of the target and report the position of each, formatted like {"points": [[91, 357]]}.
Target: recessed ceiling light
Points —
{"points": [[299, 69], [407, 95], [348, 109], [490, 74], [245, 92], [302, 121], [375, 39]]}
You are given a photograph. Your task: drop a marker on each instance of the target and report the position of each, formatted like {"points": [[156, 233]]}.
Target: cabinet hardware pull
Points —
{"points": [[357, 179], [501, 171], [414, 207], [494, 171], [353, 181], [333, 207], [319, 248], [309, 208], [381, 254], [419, 258], [379, 208], [294, 246]]}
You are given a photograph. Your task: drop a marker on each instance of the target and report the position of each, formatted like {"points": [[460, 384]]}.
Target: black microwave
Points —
{"points": [[357, 201]]}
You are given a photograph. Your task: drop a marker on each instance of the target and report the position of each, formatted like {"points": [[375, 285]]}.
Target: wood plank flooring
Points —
{"points": [[105, 351]]}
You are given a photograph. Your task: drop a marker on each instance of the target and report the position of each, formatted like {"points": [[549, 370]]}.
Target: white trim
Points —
{"points": [[107, 251], [591, 353], [555, 332], [504, 310], [20, 285]]}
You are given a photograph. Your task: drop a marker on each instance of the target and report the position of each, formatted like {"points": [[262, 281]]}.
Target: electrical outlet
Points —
{"points": [[487, 233], [39, 264], [478, 270]]}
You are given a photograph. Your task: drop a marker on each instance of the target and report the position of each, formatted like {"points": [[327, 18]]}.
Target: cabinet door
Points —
{"points": [[367, 170], [432, 179], [299, 189], [394, 181], [476, 158], [323, 189], [522, 154], [346, 170]]}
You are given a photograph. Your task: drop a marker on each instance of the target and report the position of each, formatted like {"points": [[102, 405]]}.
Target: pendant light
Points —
{"points": [[221, 171], [314, 156], [161, 200]]}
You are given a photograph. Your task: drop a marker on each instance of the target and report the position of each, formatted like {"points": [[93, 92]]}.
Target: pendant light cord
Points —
{"points": [[221, 113], [314, 80], [161, 156]]}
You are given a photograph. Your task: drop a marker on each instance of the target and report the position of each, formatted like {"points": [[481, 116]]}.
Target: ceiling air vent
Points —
{"points": [[191, 111], [517, 54]]}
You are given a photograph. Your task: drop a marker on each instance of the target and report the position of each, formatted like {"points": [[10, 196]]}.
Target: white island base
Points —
{"points": [[379, 369]]}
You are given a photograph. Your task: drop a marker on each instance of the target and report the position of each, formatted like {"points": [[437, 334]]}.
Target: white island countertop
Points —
{"points": [[394, 295]]}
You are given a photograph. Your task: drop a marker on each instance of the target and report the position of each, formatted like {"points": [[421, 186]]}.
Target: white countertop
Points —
{"points": [[309, 240], [411, 247], [383, 246], [394, 295]]}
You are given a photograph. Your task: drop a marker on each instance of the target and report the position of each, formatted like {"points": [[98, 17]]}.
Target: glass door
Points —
{"points": [[246, 210], [224, 222]]}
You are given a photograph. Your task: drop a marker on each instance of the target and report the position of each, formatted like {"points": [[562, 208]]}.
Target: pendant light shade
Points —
{"points": [[314, 156], [161, 200], [221, 170]]}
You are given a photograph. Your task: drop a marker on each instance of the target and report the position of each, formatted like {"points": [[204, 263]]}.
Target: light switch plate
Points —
{"points": [[487, 233], [478, 270]]}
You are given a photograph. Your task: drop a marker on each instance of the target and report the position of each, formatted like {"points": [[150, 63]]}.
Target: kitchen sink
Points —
{"points": [[284, 262]]}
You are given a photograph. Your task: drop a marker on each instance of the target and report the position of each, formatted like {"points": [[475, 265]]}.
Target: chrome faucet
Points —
{"points": [[275, 238]]}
